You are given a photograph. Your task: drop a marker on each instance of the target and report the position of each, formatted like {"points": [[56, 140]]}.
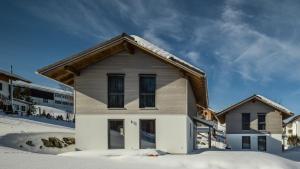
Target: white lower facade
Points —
{"points": [[173, 133], [273, 142]]}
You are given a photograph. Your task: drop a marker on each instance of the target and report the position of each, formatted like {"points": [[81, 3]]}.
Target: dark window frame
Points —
{"points": [[261, 125], [140, 134], [246, 125], [141, 93], [108, 133], [264, 145], [246, 138], [110, 75]]}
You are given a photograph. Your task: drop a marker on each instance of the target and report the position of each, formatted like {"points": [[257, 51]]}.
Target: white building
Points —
{"points": [[48, 100], [5, 93], [130, 94]]}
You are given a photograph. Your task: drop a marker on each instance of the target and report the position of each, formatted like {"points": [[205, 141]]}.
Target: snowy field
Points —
{"points": [[11, 158]]}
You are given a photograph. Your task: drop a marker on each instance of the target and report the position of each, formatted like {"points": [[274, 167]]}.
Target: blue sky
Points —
{"points": [[244, 46]]}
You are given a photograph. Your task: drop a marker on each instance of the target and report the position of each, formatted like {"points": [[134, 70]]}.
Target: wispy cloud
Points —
{"points": [[234, 44], [82, 18]]}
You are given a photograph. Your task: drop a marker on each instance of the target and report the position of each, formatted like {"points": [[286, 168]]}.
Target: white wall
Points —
{"points": [[171, 131], [15, 102], [274, 142]]}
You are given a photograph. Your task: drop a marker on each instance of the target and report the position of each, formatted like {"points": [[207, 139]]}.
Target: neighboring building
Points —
{"points": [[255, 124], [291, 128], [130, 94], [5, 92], [46, 100]]}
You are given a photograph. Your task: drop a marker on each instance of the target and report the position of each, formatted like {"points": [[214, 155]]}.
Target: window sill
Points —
{"points": [[149, 108], [112, 108]]}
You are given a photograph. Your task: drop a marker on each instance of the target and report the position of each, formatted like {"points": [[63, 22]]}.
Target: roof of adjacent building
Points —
{"points": [[286, 112], [13, 76], [64, 70], [293, 119], [40, 87]]}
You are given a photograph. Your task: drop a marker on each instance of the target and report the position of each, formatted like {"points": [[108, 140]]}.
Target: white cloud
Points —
{"points": [[235, 45]]}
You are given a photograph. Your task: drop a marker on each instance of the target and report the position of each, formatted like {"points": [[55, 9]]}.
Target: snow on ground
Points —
{"points": [[15, 129], [93, 160], [20, 125], [15, 132], [18, 140]]}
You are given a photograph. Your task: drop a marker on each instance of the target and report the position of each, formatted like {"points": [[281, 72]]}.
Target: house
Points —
{"points": [[6, 78], [255, 124], [291, 128], [130, 94], [46, 100]]}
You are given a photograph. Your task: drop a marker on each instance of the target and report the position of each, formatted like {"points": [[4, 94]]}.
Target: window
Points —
{"points": [[22, 108], [115, 91], [147, 134], [45, 100], [261, 121], [262, 143], [246, 121], [290, 131], [57, 102], [17, 107], [147, 90], [0, 86], [116, 134], [246, 142]]}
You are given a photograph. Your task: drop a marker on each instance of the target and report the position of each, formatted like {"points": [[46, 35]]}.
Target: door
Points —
{"points": [[147, 134], [116, 134], [262, 143]]}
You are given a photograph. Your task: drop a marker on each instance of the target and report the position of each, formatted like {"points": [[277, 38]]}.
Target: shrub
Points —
{"points": [[48, 116], [293, 140], [59, 117]]}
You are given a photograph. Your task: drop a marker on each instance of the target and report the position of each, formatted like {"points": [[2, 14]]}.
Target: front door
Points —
{"points": [[262, 143], [116, 134], [147, 134]]}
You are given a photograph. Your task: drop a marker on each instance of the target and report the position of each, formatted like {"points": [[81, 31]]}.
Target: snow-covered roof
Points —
{"points": [[146, 44], [261, 98], [277, 105], [13, 75], [40, 87]]}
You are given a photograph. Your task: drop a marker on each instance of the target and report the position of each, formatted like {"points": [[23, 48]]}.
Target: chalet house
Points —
{"points": [[130, 94], [255, 123]]}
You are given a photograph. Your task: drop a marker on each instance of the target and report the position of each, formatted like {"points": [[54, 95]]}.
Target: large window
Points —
{"points": [[262, 143], [147, 134], [0, 86], [115, 91], [116, 134], [22, 108], [261, 117], [246, 142], [246, 121], [147, 90]]}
